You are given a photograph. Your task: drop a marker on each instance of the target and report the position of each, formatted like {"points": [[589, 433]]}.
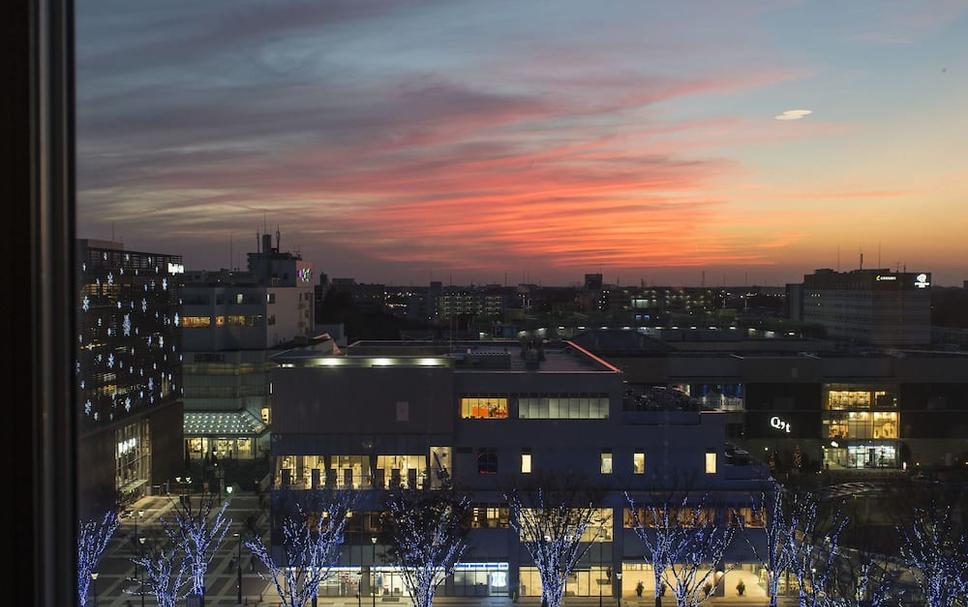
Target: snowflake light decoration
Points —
{"points": [[85, 303]]}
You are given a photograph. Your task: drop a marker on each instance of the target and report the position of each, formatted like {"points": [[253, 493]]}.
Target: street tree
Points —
{"points": [[933, 545], [551, 515], [311, 537], [683, 543], [427, 537], [93, 537], [198, 531]]}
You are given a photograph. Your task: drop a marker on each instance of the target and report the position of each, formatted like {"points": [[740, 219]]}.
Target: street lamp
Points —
{"points": [[94, 586], [372, 570], [141, 585], [239, 565], [618, 576]]}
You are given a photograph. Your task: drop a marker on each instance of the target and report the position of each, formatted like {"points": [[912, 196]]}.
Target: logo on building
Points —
{"points": [[881, 277], [176, 268], [127, 445], [305, 274], [779, 424], [921, 281]]}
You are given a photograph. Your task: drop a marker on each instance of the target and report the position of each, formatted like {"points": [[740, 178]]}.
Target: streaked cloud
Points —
{"points": [[793, 114]]}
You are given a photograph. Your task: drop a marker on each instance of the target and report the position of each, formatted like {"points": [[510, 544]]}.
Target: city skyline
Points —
{"points": [[654, 142]]}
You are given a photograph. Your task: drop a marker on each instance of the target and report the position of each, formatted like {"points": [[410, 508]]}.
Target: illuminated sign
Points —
{"points": [[882, 278], [176, 268], [779, 424], [921, 281], [305, 274], [498, 566]]}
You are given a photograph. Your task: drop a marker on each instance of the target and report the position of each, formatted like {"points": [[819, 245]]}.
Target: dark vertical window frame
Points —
{"points": [[44, 237]]}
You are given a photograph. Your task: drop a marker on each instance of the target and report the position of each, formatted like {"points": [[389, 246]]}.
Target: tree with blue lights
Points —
{"points": [[771, 510], [934, 547], [427, 537], [93, 537], [813, 547], [167, 573], [199, 532], [551, 517], [863, 580], [681, 538], [311, 539]]}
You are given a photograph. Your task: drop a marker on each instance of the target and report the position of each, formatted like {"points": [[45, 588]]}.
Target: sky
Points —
{"points": [[491, 141]]}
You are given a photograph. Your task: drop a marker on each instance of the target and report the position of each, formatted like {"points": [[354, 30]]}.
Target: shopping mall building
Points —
{"points": [[382, 414], [855, 411]]}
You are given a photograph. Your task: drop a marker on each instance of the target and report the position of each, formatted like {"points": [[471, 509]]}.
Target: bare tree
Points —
{"points": [[863, 579], [813, 544], [310, 543], [776, 530], [934, 547], [199, 532], [93, 537], [427, 537], [167, 573], [551, 516], [683, 539]]}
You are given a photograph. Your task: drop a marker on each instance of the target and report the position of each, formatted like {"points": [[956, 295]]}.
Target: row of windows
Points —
{"points": [[487, 461], [553, 407], [232, 320]]}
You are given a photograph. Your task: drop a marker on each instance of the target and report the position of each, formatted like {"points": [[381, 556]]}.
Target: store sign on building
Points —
{"points": [[127, 445], [921, 281], [779, 424]]}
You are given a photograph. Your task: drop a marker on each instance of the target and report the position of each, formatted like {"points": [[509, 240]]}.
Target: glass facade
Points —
{"points": [[133, 460], [587, 581], [861, 426]]}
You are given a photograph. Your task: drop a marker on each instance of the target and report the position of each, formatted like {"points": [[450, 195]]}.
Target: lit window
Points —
{"points": [[638, 462], [606, 460], [264, 414], [192, 322], [484, 408], [526, 462], [710, 462]]}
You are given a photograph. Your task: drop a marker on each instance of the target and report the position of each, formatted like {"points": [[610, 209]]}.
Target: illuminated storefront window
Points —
{"points": [[132, 460], [865, 455], [846, 397], [606, 461], [350, 471], [484, 408], [407, 471], [489, 517], [860, 425], [710, 462]]}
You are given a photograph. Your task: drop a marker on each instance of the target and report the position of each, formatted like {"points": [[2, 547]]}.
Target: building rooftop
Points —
{"points": [[476, 356]]}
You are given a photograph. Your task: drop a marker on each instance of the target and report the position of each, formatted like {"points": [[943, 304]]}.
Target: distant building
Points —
{"points": [[128, 372], [876, 306], [232, 323]]}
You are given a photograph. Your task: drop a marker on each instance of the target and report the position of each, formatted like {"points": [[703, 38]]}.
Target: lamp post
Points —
{"points": [[141, 586], [373, 570], [618, 576], [94, 586], [238, 566]]}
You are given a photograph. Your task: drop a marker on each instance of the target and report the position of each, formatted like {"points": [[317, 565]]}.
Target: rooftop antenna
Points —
{"points": [[278, 238], [838, 258], [861, 260], [258, 242]]}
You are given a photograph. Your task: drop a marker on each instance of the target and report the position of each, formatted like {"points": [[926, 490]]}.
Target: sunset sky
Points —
{"points": [[397, 141]]}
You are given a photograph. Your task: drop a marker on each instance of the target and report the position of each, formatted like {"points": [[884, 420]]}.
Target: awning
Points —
{"points": [[222, 423]]}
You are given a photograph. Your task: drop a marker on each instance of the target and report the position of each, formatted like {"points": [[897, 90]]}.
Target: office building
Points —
{"points": [[878, 306], [128, 373]]}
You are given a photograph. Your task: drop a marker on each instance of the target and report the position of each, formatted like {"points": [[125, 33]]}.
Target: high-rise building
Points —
{"points": [[127, 372], [875, 306]]}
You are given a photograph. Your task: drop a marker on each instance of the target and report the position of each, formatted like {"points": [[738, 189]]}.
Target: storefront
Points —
{"points": [[480, 579], [224, 435], [861, 455], [587, 581]]}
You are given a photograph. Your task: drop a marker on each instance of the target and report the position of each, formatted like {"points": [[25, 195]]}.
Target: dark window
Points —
{"points": [[487, 461]]}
